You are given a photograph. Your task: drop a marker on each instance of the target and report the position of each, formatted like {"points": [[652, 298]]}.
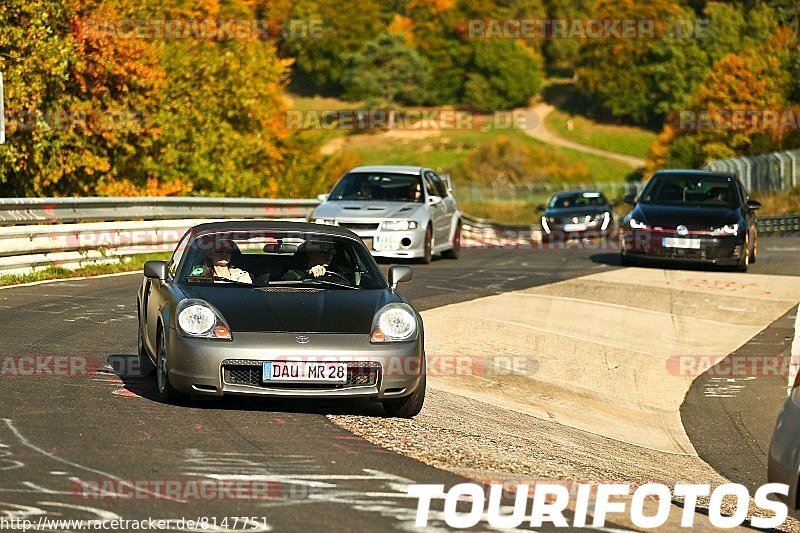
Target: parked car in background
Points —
{"points": [[691, 216], [578, 213], [398, 211]]}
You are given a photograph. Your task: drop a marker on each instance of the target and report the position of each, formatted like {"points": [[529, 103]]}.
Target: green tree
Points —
{"points": [[505, 74], [345, 26], [387, 71]]}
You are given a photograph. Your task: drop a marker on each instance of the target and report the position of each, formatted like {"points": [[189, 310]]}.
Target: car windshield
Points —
{"points": [[577, 199], [690, 189], [270, 259], [383, 186]]}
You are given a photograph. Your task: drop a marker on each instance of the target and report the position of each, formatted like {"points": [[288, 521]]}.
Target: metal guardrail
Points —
{"points": [[15, 211], [779, 224]]}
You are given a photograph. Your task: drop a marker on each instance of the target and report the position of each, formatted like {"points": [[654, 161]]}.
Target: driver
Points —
{"points": [[317, 264]]}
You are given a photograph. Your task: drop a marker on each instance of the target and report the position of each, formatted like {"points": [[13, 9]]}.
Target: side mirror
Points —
{"points": [[399, 274], [156, 270], [629, 199], [322, 197], [433, 200], [753, 204]]}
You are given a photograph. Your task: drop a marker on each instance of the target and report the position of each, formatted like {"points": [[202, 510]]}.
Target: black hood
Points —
{"points": [[565, 212], [693, 217], [324, 311]]}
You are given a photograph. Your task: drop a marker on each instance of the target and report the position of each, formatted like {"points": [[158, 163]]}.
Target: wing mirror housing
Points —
{"points": [[433, 200], [753, 205], [156, 270], [629, 199], [399, 274], [322, 197]]}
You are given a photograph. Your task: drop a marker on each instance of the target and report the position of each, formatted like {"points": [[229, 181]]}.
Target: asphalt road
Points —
{"points": [[100, 428]]}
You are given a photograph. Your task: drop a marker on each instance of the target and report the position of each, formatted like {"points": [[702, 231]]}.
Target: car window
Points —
{"points": [[577, 199], [691, 189], [438, 186], [380, 186], [263, 259], [175, 262]]}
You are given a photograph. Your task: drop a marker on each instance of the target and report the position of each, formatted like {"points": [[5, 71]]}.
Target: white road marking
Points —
{"points": [[9, 423]]}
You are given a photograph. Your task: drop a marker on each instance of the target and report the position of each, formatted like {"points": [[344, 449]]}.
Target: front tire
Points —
{"points": [[455, 251], [166, 392], [146, 366], [745, 263], [427, 256], [407, 406]]}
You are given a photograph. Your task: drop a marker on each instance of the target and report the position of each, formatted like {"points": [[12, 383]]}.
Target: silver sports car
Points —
{"points": [[783, 464], [280, 309], [398, 211]]}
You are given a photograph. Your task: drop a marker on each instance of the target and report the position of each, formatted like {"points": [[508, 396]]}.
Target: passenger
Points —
{"points": [[416, 192], [221, 267]]}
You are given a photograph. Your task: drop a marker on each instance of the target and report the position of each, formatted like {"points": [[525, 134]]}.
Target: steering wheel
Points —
{"points": [[333, 273]]}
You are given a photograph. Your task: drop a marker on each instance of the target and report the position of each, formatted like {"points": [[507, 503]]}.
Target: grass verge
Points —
{"points": [[130, 264], [628, 140]]}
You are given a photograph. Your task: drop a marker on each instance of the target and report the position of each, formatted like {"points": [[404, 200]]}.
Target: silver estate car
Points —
{"points": [[398, 211], [281, 309]]}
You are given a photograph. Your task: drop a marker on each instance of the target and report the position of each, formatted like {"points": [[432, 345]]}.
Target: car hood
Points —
{"points": [[693, 217], [366, 210], [324, 311], [566, 212]]}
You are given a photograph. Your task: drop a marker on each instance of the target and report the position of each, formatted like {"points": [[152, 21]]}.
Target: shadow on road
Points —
{"points": [[126, 367]]}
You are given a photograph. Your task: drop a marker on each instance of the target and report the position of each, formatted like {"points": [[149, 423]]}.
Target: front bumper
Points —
{"points": [[716, 250], [407, 244], [196, 365]]}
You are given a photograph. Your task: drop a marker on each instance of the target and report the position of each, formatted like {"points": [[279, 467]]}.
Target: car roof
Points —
{"points": [[272, 225], [694, 171], [399, 169], [577, 191]]}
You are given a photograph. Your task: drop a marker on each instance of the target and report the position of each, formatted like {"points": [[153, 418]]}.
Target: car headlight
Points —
{"points": [[197, 318], [394, 323], [728, 229], [545, 225], [399, 225], [606, 220], [326, 221], [635, 224]]}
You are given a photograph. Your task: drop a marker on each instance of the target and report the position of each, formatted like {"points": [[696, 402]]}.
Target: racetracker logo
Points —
{"points": [[466, 504], [584, 29], [175, 489], [47, 365], [734, 366]]}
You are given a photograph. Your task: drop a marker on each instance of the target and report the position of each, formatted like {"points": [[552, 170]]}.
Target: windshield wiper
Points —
{"points": [[328, 283], [235, 282]]}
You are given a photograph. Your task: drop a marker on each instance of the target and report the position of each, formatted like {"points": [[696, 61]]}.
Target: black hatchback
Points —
{"points": [[578, 214], [691, 216]]}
